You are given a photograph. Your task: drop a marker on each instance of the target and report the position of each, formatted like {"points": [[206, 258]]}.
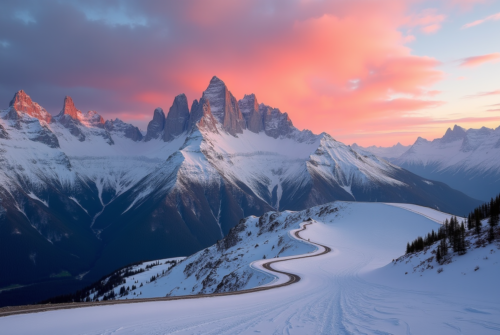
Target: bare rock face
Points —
{"points": [[276, 123], [224, 107], [177, 118], [23, 103], [201, 115], [94, 119], [128, 130], [156, 126], [3, 133], [70, 117], [458, 133], [70, 109], [249, 108], [46, 136]]}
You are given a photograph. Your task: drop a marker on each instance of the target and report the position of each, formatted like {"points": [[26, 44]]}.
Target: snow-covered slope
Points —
{"points": [[467, 160], [356, 288], [384, 152], [105, 196]]}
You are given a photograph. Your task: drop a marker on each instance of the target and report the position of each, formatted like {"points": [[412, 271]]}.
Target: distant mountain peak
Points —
{"points": [[22, 103], [224, 106], [458, 133], [70, 109]]}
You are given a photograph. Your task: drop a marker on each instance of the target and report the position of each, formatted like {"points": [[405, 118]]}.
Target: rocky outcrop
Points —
{"points": [[202, 116], [70, 117], [249, 108], [94, 119], [156, 126], [23, 103], [276, 123], [224, 107], [3, 133], [177, 118], [458, 133], [126, 129]]}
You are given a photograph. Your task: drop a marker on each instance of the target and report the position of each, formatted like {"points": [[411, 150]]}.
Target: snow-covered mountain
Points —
{"points": [[360, 287], [81, 194], [467, 160], [384, 152]]}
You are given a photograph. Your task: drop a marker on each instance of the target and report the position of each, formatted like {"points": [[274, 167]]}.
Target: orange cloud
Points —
{"points": [[478, 60]]}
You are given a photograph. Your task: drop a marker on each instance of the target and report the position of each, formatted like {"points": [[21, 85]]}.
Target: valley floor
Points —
{"points": [[353, 289]]}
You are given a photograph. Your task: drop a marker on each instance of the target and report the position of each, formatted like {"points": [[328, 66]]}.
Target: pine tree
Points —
{"points": [[438, 254], [470, 222], [478, 224]]}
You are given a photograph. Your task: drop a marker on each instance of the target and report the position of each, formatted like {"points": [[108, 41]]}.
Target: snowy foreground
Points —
{"points": [[356, 288]]}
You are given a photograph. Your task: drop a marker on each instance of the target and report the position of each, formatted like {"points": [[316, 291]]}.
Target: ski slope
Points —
{"points": [[353, 289]]}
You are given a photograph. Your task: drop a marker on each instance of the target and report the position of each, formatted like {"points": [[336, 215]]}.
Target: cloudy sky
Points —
{"points": [[371, 72]]}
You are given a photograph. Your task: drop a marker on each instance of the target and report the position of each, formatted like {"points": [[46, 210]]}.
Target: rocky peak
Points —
{"points": [[92, 118], [276, 123], [70, 117], [248, 104], [202, 116], [224, 106], [156, 126], [126, 129], [70, 109], [458, 133], [23, 103], [249, 108], [177, 118]]}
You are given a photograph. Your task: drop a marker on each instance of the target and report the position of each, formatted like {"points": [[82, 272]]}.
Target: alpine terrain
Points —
{"points": [[347, 276], [81, 196], [466, 159]]}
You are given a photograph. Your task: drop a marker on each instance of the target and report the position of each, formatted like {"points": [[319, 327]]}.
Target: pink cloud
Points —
{"points": [[428, 21], [493, 17], [483, 94], [478, 60]]}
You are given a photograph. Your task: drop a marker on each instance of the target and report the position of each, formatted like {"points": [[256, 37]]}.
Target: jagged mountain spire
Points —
{"points": [[23, 103], [177, 118], [224, 106], [156, 126], [70, 109]]}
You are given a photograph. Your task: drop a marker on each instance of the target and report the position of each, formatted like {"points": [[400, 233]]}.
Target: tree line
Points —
{"points": [[452, 233]]}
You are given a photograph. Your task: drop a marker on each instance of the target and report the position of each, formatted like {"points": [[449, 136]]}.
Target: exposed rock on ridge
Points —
{"points": [[156, 126], [23, 103], [177, 118], [224, 107]]}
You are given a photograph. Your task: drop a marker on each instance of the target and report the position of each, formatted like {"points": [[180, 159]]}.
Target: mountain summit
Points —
{"points": [[87, 196]]}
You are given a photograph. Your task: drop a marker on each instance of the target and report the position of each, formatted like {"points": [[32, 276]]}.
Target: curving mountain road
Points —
{"points": [[354, 288], [292, 278]]}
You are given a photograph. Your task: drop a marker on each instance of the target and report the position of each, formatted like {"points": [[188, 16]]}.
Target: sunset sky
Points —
{"points": [[370, 72]]}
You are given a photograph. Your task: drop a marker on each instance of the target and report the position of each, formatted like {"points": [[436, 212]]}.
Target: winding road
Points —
{"points": [[292, 278], [353, 288]]}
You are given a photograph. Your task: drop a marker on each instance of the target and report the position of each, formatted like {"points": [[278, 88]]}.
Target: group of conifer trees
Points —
{"points": [[452, 233], [491, 211]]}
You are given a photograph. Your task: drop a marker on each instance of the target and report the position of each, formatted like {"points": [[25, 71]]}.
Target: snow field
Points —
{"points": [[354, 289]]}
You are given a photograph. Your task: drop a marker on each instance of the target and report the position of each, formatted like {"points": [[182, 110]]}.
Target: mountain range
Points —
{"points": [[81, 196], [466, 159]]}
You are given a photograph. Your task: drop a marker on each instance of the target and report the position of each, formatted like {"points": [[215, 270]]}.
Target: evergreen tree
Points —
{"points": [[478, 224], [470, 222]]}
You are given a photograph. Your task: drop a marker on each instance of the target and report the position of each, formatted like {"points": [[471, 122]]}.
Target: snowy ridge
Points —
{"points": [[356, 288], [468, 160], [181, 187]]}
